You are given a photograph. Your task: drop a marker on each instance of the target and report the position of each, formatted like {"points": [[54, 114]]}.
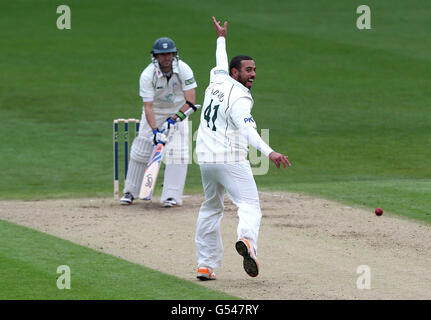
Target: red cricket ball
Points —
{"points": [[379, 211]]}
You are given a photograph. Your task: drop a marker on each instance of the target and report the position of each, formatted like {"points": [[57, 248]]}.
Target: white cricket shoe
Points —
{"points": [[169, 203], [127, 199]]}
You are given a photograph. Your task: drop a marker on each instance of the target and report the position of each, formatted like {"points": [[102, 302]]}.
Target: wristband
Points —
{"points": [[191, 105], [181, 115], [155, 130]]}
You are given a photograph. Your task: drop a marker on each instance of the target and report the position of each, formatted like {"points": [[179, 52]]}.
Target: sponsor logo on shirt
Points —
{"points": [[168, 98], [220, 72], [248, 120], [189, 81]]}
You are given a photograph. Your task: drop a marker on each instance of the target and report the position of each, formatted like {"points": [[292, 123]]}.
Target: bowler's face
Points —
{"points": [[247, 73]]}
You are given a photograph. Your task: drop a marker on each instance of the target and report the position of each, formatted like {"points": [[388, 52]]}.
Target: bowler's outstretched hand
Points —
{"points": [[221, 31], [278, 158]]}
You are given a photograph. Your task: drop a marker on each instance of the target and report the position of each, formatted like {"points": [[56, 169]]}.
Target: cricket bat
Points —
{"points": [[153, 167], [151, 172]]}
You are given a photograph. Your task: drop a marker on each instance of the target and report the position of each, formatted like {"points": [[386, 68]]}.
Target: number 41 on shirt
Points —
{"points": [[207, 115]]}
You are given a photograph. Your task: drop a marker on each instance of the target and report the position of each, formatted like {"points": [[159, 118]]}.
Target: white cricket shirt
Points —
{"points": [[223, 134], [167, 96]]}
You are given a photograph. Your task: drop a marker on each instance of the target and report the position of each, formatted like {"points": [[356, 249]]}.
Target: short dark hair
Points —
{"points": [[236, 62]]}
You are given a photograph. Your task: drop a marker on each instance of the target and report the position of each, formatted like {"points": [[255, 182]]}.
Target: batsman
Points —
{"points": [[167, 88]]}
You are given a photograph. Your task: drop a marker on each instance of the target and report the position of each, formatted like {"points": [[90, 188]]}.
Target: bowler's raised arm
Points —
{"points": [[221, 31]]}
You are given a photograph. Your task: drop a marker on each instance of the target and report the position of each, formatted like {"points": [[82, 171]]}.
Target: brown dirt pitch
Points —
{"points": [[309, 248]]}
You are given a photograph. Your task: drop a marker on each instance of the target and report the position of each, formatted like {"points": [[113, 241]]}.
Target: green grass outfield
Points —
{"points": [[350, 107], [29, 271]]}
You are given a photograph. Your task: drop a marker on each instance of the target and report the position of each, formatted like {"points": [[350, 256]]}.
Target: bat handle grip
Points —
{"points": [[191, 110]]}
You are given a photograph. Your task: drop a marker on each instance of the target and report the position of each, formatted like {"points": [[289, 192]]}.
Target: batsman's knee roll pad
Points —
{"points": [[141, 149]]}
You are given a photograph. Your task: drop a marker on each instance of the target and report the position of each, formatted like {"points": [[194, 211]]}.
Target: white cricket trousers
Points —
{"points": [[238, 181]]}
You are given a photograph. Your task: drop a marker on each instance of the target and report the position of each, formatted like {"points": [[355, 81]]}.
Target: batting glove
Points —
{"points": [[159, 137], [168, 124]]}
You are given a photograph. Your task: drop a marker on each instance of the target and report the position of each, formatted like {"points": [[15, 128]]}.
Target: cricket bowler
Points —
{"points": [[226, 129]]}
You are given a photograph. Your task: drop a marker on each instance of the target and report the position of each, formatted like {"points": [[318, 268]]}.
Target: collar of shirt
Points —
{"points": [[174, 68], [240, 85]]}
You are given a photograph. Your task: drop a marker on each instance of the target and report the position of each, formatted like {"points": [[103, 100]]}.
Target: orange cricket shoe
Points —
{"points": [[250, 264], [205, 274]]}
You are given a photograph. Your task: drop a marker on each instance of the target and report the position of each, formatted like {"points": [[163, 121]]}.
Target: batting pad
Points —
{"points": [[134, 178], [177, 148], [173, 183], [141, 150]]}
